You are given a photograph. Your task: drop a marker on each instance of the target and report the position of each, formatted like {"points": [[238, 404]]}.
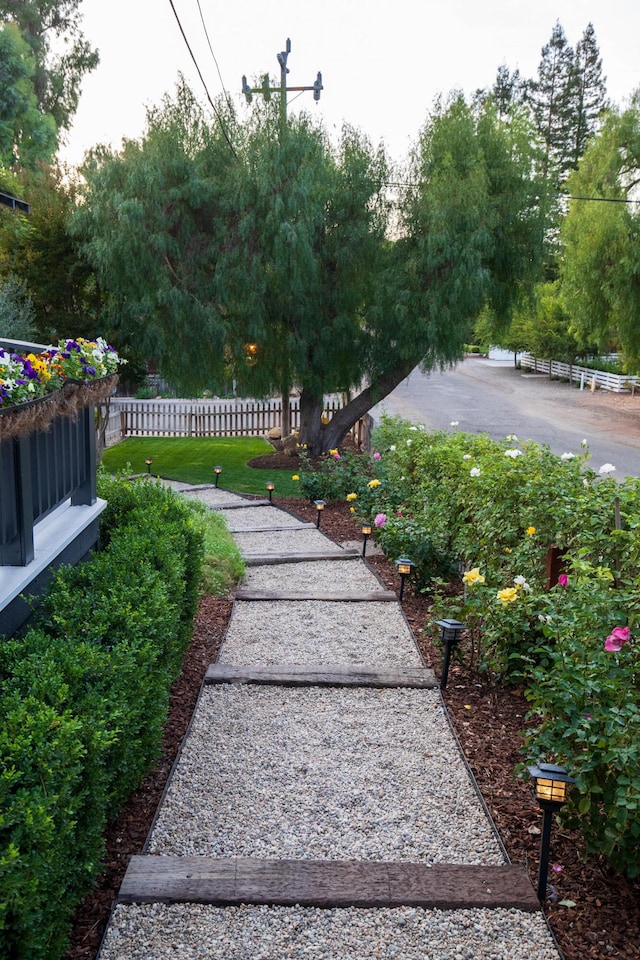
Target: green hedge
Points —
{"points": [[83, 699]]}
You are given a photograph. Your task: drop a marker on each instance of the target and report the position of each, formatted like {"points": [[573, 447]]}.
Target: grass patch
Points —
{"points": [[223, 565], [192, 459]]}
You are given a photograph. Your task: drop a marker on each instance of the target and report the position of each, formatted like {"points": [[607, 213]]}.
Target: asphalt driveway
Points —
{"points": [[491, 396]]}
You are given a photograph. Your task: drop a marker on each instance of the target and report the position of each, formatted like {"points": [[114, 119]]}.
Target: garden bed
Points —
{"points": [[605, 921]]}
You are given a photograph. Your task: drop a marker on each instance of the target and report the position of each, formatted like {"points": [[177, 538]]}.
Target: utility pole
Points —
{"points": [[267, 90]]}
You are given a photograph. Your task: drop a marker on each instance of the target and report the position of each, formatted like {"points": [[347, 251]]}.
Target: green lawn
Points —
{"points": [[192, 459]]}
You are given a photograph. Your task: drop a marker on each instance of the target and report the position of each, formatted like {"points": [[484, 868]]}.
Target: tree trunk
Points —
{"points": [[285, 419], [311, 426], [322, 438]]}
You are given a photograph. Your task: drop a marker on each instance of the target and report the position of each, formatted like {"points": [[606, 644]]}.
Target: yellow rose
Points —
{"points": [[352, 509], [333, 452], [508, 595], [473, 576], [295, 477], [530, 531]]}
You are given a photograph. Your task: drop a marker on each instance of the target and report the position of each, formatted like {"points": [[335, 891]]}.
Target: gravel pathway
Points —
{"points": [[195, 932], [321, 575], [259, 518], [297, 540], [320, 773], [324, 774], [319, 632]]}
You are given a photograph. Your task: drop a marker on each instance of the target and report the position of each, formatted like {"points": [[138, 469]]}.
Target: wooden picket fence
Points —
{"points": [[210, 418], [585, 376]]}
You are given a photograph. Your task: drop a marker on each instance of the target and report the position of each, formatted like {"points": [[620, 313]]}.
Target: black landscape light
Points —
{"points": [[320, 505], [270, 485], [148, 462], [217, 471], [366, 533], [404, 566], [550, 787], [450, 633]]}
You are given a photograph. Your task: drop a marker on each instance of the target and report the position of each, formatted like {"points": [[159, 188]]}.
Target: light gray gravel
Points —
{"points": [[195, 932], [319, 632], [322, 575], [212, 496], [316, 773], [259, 518], [297, 540]]}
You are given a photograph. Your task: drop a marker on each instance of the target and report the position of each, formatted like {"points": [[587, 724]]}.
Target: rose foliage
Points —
{"points": [[549, 552]]}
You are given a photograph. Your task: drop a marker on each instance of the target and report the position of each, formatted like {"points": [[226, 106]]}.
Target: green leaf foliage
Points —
{"points": [[83, 699]]}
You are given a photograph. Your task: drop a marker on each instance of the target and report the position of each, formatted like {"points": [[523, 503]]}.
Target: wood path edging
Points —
{"points": [[303, 675], [263, 559], [338, 596], [325, 883]]}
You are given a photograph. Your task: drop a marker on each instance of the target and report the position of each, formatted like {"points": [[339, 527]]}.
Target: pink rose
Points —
{"points": [[380, 520], [563, 580], [377, 456], [616, 639]]}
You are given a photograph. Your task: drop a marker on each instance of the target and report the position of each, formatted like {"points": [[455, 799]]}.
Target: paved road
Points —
{"points": [[491, 396]]}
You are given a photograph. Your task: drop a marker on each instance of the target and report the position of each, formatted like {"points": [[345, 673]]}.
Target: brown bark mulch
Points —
{"points": [[488, 720]]}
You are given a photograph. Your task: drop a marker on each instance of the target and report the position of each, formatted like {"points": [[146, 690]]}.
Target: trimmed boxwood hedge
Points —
{"points": [[83, 701]]}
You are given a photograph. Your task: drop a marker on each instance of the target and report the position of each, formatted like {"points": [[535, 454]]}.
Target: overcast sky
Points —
{"points": [[382, 63]]}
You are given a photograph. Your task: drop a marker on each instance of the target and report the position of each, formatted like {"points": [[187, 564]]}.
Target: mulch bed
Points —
{"points": [[488, 721]]}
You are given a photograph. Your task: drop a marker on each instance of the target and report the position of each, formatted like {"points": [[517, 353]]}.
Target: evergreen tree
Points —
{"points": [[26, 134], [552, 101], [589, 93], [600, 267], [277, 254], [58, 76], [509, 90]]}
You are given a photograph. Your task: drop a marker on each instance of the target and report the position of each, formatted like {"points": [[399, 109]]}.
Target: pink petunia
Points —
{"points": [[380, 520], [563, 580], [616, 639]]}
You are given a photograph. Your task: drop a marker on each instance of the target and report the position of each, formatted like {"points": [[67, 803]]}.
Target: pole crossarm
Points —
{"points": [[266, 89]]}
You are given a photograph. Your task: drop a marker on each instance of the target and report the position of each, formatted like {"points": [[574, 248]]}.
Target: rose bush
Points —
{"points": [[493, 511]]}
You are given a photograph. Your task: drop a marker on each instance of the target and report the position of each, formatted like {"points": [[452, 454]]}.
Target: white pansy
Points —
{"points": [[606, 469], [474, 472]]}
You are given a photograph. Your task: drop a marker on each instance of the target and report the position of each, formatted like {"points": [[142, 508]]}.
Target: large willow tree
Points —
{"points": [[269, 248]]}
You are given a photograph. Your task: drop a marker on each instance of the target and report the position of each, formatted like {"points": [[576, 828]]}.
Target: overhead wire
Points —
{"points": [[206, 33], [202, 80]]}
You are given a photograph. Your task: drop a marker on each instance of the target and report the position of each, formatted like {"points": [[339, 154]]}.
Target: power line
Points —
{"points": [[206, 33], [195, 62]]}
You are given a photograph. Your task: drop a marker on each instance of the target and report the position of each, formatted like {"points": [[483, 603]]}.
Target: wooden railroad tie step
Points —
{"points": [[339, 596], [303, 675], [263, 559], [325, 883], [275, 528], [234, 505]]}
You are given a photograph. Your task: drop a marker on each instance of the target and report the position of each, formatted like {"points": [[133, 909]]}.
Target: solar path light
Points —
{"points": [[450, 633], [550, 787]]}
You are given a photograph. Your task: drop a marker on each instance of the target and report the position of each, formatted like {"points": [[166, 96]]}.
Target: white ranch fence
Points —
{"points": [[210, 418], [585, 376]]}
